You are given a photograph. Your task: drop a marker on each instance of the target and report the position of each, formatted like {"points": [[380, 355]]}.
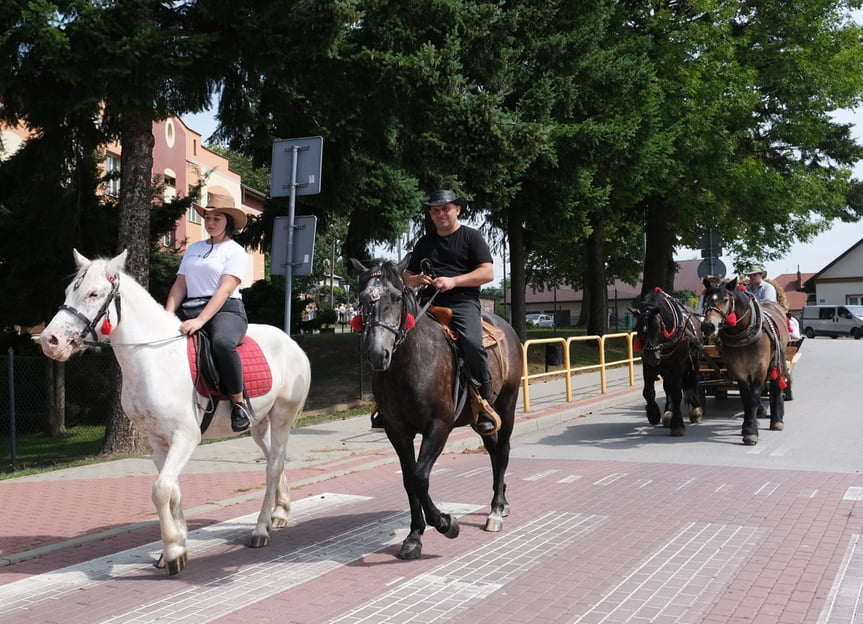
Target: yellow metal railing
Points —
{"points": [[568, 370]]}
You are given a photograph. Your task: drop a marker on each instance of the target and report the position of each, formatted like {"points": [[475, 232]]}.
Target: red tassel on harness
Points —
{"points": [[357, 323], [782, 383], [774, 374], [636, 344], [106, 327], [657, 289], [731, 320], [790, 329], [408, 320], [741, 287]]}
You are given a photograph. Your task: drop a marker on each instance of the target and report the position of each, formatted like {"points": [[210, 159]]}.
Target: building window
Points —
{"points": [[112, 174], [169, 133], [168, 239], [854, 299]]}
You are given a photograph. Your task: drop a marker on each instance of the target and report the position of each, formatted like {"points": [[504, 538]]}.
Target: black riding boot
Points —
{"points": [[240, 413], [485, 422]]}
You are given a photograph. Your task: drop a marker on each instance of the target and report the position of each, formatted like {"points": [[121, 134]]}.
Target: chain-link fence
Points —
{"points": [[33, 388]]}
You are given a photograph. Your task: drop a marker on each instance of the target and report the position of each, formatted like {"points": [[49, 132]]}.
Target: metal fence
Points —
{"points": [[25, 396]]}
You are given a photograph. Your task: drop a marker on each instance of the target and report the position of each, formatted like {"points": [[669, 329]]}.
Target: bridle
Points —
{"points": [[369, 310], [90, 325], [751, 333], [671, 337]]}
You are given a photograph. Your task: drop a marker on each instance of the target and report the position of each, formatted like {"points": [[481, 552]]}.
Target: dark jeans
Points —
{"points": [[227, 330], [467, 321]]}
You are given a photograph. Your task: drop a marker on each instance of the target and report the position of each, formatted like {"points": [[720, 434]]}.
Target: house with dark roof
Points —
{"points": [[841, 281], [565, 303]]}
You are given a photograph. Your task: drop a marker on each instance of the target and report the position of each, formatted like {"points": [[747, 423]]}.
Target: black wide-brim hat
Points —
{"points": [[442, 197]]}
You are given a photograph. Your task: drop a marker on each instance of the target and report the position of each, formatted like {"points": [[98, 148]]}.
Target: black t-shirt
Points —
{"points": [[456, 254]]}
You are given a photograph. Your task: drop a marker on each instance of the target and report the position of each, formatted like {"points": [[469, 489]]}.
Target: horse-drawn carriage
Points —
{"points": [[715, 380]]}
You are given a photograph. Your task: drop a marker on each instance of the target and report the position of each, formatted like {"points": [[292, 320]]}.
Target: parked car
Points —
{"points": [[832, 320], [539, 320]]}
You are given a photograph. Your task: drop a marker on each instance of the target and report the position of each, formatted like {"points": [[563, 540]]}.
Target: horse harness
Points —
{"points": [[681, 327], [90, 326], [753, 332]]}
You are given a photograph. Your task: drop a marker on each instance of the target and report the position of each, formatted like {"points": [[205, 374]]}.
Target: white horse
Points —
{"points": [[158, 394]]}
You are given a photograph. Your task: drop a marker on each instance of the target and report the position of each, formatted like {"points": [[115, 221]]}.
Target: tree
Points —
{"points": [[748, 89]]}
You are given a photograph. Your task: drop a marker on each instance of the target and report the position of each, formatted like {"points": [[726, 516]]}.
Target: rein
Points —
{"points": [[106, 328]]}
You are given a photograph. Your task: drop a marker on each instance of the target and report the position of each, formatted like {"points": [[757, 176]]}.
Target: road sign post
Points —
{"points": [[296, 170]]}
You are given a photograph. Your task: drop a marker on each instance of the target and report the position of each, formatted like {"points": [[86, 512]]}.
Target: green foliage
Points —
{"points": [[327, 316]]}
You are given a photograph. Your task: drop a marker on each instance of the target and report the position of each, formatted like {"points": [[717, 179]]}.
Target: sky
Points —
{"points": [[809, 257]]}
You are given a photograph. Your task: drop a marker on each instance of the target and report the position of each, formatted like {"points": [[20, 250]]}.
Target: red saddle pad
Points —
{"points": [[257, 376]]}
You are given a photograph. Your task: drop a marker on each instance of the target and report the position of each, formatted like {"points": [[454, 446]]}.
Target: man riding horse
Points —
{"points": [[462, 263]]}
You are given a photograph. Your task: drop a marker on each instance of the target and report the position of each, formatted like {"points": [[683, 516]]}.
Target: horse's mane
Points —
{"points": [[130, 286]]}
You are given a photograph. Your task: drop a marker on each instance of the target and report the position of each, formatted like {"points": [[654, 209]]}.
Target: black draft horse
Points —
{"points": [[669, 334], [751, 337], [414, 375]]}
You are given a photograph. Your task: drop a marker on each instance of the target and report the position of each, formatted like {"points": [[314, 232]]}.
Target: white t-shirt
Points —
{"points": [[203, 274]]}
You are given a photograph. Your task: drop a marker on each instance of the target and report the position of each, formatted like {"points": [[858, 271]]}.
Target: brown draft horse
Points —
{"points": [[415, 372], [751, 336], [668, 333]]}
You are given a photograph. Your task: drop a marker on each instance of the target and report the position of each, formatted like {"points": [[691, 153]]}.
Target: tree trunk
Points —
{"points": [[121, 436], [518, 285], [57, 398], [596, 280], [659, 267], [136, 170]]}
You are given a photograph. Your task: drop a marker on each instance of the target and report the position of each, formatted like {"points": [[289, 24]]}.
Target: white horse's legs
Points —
{"points": [[276, 505], [168, 501]]}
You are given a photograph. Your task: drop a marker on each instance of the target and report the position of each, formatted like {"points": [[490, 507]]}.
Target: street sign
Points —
{"points": [[304, 245], [711, 266], [711, 244], [308, 151], [296, 170]]}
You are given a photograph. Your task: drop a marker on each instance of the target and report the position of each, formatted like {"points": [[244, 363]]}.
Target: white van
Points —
{"points": [[832, 320]]}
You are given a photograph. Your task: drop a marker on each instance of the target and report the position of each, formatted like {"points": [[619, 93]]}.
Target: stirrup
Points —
{"points": [[485, 414]]}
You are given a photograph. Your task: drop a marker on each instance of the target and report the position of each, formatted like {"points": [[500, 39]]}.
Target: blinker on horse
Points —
{"points": [[158, 393], [751, 337], [668, 334], [416, 384]]}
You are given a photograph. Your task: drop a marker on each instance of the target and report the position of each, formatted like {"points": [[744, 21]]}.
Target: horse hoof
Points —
{"points": [[279, 523], [410, 550], [453, 529], [696, 415], [777, 426], [259, 541], [505, 512], [176, 566], [750, 439], [666, 419], [677, 432], [494, 524]]}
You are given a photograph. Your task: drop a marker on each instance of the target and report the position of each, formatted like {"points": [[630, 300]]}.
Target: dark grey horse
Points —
{"points": [[670, 335], [415, 373]]}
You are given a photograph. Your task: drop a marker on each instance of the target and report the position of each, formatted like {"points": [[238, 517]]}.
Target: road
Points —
{"points": [[612, 521]]}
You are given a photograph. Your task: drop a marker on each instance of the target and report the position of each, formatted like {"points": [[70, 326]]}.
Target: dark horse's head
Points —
{"points": [[385, 312], [724, 303], [658, 321]]}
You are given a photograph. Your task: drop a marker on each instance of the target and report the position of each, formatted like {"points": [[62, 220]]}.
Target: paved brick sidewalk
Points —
{"points": [[64, 509]]}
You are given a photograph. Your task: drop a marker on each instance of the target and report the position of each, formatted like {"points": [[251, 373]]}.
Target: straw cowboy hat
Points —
{"points": [[443, 197], [219, 200], [757, 268]]}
